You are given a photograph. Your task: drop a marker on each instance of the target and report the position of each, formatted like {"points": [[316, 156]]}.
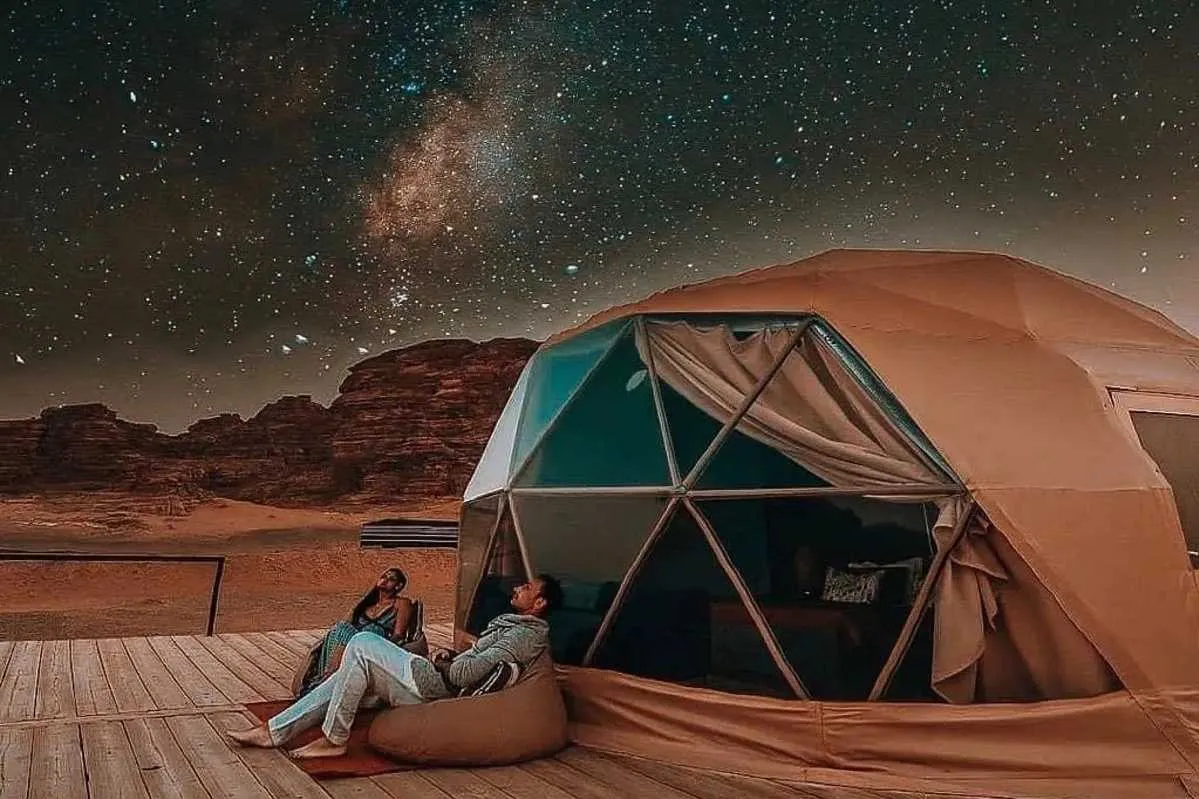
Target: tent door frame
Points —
{"points": [[1128, 400]]}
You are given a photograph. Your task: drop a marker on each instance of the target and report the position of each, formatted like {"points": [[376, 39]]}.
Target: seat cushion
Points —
{"points": [[524, 722]]}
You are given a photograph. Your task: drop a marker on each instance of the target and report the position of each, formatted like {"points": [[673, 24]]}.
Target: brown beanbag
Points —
{"points": [[524, 722]]}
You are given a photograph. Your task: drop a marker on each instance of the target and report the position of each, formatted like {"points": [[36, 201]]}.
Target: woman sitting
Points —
{"points": [[383, 611]]}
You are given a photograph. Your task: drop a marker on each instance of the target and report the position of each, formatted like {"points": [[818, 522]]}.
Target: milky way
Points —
{"points": [[206, 205]]}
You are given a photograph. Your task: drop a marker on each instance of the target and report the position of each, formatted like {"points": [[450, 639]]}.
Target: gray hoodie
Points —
{"points": [[510, 637]]}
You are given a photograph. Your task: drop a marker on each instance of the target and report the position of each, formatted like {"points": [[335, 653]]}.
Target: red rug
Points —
{"points": [[358, 761]]}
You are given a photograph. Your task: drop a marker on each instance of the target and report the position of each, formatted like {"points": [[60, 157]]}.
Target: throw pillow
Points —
{"points": [[842, 586]]}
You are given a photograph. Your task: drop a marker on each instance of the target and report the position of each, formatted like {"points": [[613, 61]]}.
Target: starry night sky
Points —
{"points": [[206, 205]]}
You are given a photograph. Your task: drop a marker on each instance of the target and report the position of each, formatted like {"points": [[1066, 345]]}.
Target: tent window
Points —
{"points": [[554, 375], [1172, 440], [835, 579], [476, 525], [495, 464], [608, 434], [505, 569], [682, 621], [588, 542], [740, 462]]}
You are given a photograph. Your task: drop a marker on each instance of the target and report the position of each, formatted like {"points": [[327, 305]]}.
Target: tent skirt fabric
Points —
{"points": [[1100, 746]]}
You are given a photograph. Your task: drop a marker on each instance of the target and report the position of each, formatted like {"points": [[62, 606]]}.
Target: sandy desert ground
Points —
{"points": [[285, 568]]}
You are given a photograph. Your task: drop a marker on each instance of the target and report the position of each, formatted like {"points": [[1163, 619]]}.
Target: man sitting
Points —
{"points": [[374, 666]]}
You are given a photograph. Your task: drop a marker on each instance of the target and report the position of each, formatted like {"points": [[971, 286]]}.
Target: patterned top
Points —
{"points": [[383, 625]]}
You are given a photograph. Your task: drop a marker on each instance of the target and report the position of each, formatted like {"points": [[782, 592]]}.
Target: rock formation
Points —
{"points": [[407, 424]]}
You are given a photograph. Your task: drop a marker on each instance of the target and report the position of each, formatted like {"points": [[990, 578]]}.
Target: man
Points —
{"points": [[374, 666]]}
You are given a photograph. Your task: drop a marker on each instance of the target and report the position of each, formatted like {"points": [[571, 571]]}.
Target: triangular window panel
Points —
{"points": [[744, 462], [751, 456], [492, 471], [504, 570], [835, 578], [608, 434], [691, 430], [554, 374], [682, 621], [717, 364], [588, 543], [476, 525]]}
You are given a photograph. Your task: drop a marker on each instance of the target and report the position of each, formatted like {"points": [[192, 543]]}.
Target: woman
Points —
{"points": [[382, 611]]}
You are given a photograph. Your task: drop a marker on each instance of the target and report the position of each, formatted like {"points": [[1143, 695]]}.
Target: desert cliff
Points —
{"points": [[407, 424]]}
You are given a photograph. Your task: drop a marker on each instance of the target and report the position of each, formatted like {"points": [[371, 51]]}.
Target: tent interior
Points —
{"points": [[779, 547]]}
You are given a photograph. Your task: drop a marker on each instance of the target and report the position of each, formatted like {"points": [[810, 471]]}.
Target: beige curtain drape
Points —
{"points": [[812, 411], [1000, 635]]}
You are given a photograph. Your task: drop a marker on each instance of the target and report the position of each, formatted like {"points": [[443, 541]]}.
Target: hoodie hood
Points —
{"points": [[519, 620]]}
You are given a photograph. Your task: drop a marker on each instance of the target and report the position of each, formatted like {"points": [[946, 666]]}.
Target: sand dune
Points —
{"points": [[285, 567]]}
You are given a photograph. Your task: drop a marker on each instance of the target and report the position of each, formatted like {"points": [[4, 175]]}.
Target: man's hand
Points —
{"points": [[443, 659]]}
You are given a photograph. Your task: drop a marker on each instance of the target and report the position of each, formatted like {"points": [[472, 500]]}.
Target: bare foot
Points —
{"points": [[321, 747], [255, 736]]}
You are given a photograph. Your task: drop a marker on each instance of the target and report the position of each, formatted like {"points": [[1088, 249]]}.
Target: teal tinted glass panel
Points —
{"points": [[682, 621], [475, 526], [588, 543], [554, 374], [835, 578], [691, 430], [742, 462], [503, 571], [608, 434]]}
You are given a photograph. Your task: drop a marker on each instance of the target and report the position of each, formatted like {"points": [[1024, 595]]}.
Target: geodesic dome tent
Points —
{"points": [[874, 516]]}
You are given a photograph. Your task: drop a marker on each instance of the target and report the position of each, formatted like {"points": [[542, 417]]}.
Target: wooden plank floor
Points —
{"points": [[144, 717]]}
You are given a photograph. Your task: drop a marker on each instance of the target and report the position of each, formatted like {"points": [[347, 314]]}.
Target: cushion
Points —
{"points": [[842, 586], [524, 722]]}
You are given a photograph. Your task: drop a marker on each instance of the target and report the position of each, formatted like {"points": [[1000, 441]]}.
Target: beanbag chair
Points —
{"points": [[524, 722]]}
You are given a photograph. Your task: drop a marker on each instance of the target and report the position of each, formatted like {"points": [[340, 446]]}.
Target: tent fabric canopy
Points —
{"points": [[1005, 367], [811, 411], [1000, 636]]}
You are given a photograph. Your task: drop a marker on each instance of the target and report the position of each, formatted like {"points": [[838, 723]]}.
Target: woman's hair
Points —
{"points": [[372, 596]]}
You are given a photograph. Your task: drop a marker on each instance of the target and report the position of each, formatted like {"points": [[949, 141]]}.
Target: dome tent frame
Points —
{"points": [[683, 491], [1009, 368]]}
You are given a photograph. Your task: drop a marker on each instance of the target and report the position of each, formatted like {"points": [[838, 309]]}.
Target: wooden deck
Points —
{"points": [[143, 717]]}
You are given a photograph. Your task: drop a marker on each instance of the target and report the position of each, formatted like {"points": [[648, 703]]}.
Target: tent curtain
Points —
{"points": [[812, 411], [1000, 635]]}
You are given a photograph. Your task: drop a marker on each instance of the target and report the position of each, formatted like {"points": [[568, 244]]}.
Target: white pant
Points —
{"points": [[370, 665]]}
